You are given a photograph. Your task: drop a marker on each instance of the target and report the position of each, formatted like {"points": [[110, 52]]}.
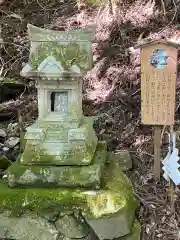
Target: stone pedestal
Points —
{"points": [[60, 176], [60, 144]]}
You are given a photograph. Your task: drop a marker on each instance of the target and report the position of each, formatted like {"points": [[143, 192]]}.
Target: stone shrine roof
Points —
{"points": [[56, 54]]}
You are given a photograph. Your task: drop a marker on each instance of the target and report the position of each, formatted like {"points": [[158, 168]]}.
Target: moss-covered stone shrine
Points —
{"points": [[63, 186]]}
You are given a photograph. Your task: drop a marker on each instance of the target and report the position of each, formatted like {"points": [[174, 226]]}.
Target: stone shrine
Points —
{"points": [[65, 185], [61, 136]]}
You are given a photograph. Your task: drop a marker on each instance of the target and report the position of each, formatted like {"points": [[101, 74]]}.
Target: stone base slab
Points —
{"points": [[60, 176]]}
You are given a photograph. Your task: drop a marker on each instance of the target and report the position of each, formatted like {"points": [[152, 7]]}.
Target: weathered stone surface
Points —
{"points": [[135, 234], [86, 176], [116, 192], [29, 226], [3, 232], [122, 158], [71, 227]]}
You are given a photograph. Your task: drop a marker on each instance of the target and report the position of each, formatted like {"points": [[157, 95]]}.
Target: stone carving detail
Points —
{"points": [[50, 65]]}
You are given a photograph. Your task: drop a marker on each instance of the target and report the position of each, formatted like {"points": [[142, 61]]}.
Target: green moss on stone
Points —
{"points": [[116, 193], [113, 211], [39, 199], [67, 54], [115, 184]]}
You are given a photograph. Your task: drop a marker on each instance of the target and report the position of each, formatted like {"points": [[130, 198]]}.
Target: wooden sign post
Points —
{"points": [[158, 89]]}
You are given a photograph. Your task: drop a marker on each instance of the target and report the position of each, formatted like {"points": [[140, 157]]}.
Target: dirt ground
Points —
{"points": [[111, 88]]}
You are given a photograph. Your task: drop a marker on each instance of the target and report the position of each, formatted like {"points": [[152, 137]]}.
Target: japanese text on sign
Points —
{"points": [[158, 99]]}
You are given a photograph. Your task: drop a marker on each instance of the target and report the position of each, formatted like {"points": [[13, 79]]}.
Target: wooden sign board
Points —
{"points": [[158, 83]]}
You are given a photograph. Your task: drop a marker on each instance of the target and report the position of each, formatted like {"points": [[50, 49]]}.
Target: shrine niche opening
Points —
{"points": [[59, 102]]}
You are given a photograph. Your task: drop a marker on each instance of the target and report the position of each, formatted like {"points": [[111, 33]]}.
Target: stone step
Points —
{"points": [[60, 176]]}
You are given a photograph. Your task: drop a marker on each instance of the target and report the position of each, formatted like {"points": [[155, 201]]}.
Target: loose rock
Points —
{"points": [[12, 142], [12, 155], [30, 226], [16, 147], [71, 227], [3, 133], [122, 158], [5, 149], [112, 227]]}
